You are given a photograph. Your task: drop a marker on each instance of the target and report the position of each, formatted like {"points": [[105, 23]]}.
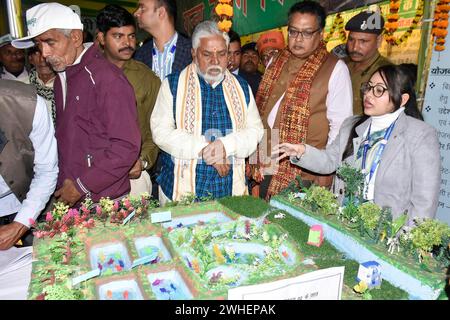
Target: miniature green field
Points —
{"points": [[434, 278], [325, 256], [46, 269]]}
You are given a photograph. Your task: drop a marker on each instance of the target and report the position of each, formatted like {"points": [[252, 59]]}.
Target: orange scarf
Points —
{"points": [[294, 110]]}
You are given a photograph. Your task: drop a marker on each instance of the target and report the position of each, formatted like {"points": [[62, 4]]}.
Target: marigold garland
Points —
{"points": [[338, 24], [392, 21], [224, 10], [392, 25], [440, 24]]}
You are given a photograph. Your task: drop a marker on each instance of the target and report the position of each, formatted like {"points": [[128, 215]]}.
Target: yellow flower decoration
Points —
{"points": [[392, 25], [224, 9], [440, 24], [225, 25]]}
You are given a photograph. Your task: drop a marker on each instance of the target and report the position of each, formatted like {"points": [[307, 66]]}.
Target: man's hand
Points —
{"points": [[136, 171], [68, 193], [214, 153], [222, 169], [10, 234]]}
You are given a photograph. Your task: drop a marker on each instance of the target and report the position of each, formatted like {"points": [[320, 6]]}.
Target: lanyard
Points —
{"points": [[157, 68], [380, 150]]}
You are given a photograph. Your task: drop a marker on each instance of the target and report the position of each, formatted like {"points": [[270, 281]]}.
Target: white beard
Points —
{"points": [[209, 78]]}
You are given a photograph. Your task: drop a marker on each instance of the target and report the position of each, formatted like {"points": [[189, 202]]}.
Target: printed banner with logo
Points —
{"points": [[436, 111]]}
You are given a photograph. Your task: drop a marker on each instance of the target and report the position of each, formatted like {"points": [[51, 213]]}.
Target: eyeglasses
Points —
{"points": [[377, 90], [305, 34]]}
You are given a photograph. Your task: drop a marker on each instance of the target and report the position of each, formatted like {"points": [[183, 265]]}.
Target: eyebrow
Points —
{"points": [[206, 51], [378, 83], [306, 29], [46, 40]]}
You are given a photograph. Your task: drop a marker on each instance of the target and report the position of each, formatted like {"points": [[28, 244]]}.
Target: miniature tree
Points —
{"points": [[354, 185], [294, 186], [354, 182], [322, 200], [427, 235]]}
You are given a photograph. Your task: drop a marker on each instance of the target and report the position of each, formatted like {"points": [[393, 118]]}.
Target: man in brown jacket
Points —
{"points": [[117, 37], [304, 96]]}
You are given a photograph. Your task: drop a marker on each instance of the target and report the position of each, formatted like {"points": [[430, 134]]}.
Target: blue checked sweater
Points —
{"points": [[216, 123]]}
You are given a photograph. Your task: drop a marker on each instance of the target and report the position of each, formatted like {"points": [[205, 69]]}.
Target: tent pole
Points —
{"points": [[14, 9], [425, 52]]}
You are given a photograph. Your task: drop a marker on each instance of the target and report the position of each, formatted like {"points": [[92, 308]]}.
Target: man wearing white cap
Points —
{"points": [[96, 121], [12, 61]]}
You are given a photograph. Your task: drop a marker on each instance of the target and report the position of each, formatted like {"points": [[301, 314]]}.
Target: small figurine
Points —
{"points": [[280, 215], [370, 273]]}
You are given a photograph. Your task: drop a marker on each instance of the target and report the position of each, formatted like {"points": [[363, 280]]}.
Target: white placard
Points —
{"points": [[131, 215], [325, 284], [436, 111], [162, 216]]}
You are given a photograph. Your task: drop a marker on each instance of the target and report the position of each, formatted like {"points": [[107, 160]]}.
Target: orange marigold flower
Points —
{"points": [[442, 24], [225, 25], [224, 9]]}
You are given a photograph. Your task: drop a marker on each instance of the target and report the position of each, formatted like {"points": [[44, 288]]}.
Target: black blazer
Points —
{"points": [[183, 56]]}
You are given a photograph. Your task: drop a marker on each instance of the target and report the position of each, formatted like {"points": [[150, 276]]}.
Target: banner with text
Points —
{"points": [[436, 111]]}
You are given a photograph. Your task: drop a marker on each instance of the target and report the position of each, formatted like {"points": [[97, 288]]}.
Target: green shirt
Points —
{"points": [[146, 87], [359, 77]]}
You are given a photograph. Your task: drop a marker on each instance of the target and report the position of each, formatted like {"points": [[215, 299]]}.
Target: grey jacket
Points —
{"points": [[409, 173]]}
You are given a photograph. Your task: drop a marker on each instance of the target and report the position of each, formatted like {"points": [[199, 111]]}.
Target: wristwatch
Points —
{"points": [[144, 164]]}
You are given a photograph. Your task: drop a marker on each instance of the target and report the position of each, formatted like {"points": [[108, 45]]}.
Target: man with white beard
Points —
{"points": [[206, 123]]}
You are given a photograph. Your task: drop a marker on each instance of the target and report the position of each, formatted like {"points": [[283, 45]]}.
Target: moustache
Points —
{"points": [[52, 60], [127, 49], [214, 68], [355, 53]]}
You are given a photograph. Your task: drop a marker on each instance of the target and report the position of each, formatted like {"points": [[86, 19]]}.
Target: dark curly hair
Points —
{"points": [[114, 16]]}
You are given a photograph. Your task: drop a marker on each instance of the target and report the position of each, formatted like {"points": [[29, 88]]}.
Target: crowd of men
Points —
{"points": [[174, 117]]}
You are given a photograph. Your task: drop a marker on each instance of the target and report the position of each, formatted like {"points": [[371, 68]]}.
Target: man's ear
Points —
{"points": [[77, 37], [379, 40], [101, 38], [193, 53], [162, 12]]}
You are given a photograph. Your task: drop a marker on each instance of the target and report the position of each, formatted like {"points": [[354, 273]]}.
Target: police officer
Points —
{"points": [[364, 39]]}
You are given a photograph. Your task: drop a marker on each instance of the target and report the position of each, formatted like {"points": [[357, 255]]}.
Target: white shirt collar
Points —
{"points": [[384, 121], [23, 77], [86, 47]]}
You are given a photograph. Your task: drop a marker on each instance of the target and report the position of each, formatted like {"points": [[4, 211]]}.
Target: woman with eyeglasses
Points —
{"points": [[396, 150]]}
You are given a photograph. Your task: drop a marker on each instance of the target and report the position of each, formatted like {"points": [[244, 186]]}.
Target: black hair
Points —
{"points": [[171, 8], [87, 36], [114, 16], [234, 36], [411, 70], [310, 7], [398, 82]]}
